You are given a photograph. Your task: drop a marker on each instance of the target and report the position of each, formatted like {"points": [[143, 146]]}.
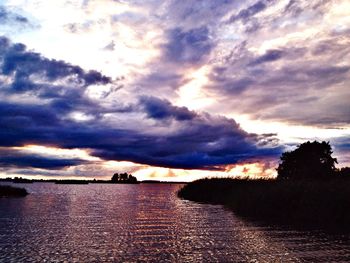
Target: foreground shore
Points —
{"points": [[10, 191], [305, 203]]}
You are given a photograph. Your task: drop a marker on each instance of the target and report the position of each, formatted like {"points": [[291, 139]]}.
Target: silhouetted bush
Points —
{"points": [[8, 191], [311, 160]]}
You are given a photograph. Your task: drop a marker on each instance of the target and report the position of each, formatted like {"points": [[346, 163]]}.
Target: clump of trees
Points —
{"points": [[311, 160], [123, 178]]}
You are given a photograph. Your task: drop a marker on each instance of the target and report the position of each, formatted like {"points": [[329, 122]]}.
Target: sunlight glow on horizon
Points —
{"points": [[106, 168]]}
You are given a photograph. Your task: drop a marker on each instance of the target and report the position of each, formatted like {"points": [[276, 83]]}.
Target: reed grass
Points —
{"points": [[305, 202]]}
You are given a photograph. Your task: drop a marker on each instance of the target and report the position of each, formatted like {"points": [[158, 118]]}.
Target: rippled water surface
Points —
{"points": [[146, 222]]}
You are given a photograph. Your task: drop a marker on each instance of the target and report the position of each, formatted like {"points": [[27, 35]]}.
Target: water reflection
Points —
{"points": [[108, 223]]}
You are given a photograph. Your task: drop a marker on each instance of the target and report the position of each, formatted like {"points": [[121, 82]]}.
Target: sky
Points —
{"points": [[170, 90]]}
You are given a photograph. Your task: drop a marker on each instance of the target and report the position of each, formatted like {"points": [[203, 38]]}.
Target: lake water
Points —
{"points": [[146, 222]]}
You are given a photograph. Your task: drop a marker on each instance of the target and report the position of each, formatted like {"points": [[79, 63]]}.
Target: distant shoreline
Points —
{"points": [[303, 203], [82, 182]]}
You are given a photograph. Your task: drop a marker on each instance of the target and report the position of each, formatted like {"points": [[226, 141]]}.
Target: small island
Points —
{"points": [[10, 191], [308, 191], [124, 178]]}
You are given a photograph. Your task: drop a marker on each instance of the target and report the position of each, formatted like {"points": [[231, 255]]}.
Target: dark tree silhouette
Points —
{"points": [[132, 179], [123, 178], [115, 178], [311, 160]]}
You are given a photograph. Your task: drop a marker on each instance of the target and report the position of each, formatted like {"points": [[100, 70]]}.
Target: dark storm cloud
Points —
{"points": [[200, 141], [197, 140], [162, 109], [12, 158], [188, 46], [203, 142]]}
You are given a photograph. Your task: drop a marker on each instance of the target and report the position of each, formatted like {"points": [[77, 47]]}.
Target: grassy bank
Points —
{"points": [[9, 191], [299, 202]]}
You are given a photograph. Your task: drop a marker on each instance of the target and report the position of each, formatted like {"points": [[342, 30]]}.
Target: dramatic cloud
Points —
{"points": [[11, 158], [196, 140], [162, 109], [199, 141]]}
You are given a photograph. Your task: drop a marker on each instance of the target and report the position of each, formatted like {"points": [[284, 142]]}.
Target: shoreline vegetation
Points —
{"points": [[308, 191], [304, 203], [10, 191]]}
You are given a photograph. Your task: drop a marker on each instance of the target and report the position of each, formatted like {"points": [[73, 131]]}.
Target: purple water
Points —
{"points": [[146, 222]]}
